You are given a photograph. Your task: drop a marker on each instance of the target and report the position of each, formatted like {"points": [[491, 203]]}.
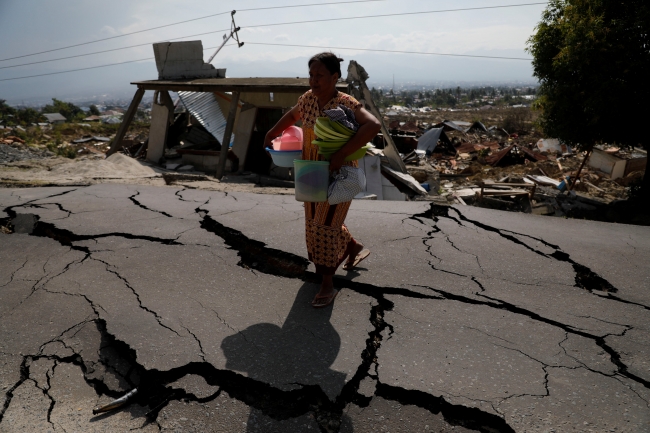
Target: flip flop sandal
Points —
{"points": [[358, 259], [329, 298]]}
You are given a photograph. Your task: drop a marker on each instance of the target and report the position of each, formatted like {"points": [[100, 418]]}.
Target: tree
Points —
{"points": [[592, 58], [94, 110], [5, 109], [27, 116], [66, 109]]}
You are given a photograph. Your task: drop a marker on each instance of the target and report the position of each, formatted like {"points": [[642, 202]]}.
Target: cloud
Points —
{"points": [[108, 30], [282, 38], [498, 37]]}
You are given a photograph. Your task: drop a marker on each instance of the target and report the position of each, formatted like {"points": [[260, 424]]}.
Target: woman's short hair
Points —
{"points": [[331, 61]]}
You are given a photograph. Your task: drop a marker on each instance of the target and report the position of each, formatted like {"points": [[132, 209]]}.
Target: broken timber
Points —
{"points": [[497, 191], [227, 134], [126, 122]]}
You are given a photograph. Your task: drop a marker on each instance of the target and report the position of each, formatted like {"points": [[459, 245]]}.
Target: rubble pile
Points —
{"points": [[521, 171], [14, 149], [69, 140]]}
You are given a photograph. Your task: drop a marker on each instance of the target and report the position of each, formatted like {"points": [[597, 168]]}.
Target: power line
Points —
{"points": [[96, 67], [283, 45], [108, 51], [305, 46], [391, 51], [187, 21], [75, 70], [396, 14], [263, 25]]}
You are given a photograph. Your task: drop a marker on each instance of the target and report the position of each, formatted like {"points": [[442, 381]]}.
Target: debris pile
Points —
{"points": [[69, 140], [14, 149], [521, 172]]}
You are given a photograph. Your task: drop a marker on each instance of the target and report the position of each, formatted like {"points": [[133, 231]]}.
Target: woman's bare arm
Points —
{"points": [[369, 126], [290, 117]]}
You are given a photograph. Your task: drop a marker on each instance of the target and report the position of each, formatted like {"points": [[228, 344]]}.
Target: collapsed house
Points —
{"points": [[467, 163], [239, 112]]}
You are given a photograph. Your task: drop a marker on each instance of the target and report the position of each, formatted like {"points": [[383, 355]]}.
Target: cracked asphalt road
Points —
{"points": [[462, 319]]}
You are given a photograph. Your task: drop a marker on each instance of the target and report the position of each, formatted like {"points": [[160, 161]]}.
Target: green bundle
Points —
{"points": [[332, 136]]}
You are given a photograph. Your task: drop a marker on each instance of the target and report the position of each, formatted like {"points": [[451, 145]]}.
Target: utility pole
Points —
{"points": [[233, 34]]}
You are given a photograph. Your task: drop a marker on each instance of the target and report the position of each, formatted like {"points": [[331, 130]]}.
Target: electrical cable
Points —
{"points": [[108, 51], [395, 15], [187, 21], [306, 46], [218, 31], [75, 70], [391, 51], [289, 45], [96, 67]]}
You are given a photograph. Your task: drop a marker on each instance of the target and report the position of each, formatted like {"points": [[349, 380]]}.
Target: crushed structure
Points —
{"points": [[239, 111]]}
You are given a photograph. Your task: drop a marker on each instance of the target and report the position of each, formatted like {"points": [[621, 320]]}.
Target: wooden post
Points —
{"points": [[584, 161], [390, 150], [225, 144], [126, 122], [243, 133], [161, 113]]}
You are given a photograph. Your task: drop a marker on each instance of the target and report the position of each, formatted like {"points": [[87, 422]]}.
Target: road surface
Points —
{"points": [[462, 319]]}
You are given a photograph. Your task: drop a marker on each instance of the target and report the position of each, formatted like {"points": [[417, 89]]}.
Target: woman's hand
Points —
{"points": [[268, 141], [290, 117]]}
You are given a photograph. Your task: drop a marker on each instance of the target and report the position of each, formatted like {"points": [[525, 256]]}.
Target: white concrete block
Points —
{"points": [[390, 192], [183, 60]]}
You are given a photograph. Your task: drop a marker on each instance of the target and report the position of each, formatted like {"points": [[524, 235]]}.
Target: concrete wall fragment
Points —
{"points": [[183, 60]]}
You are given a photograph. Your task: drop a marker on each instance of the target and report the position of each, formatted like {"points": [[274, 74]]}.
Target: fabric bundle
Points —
{"points": [[344, 116]]}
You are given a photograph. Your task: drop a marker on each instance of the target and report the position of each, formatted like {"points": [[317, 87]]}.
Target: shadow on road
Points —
{"points": [[298, 353]]}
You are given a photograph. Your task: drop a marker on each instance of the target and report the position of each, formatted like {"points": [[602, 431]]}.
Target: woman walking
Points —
{"points": [[329, 243]]}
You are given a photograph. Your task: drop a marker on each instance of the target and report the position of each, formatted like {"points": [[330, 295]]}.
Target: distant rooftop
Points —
{"points": [[54, 117]]}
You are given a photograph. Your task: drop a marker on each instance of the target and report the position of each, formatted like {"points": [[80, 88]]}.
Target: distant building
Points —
{"points": [[112, 113], [55, 118]]}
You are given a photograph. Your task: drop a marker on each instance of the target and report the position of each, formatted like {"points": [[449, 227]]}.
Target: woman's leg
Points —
{"points": [[326, 294]]}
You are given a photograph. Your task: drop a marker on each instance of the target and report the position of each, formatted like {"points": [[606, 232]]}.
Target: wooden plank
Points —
{"points": [[160, 113], [390, 150], [126, 122], [225, 144], [371, 167], [276, 85], [243, 133], [509, 185]]}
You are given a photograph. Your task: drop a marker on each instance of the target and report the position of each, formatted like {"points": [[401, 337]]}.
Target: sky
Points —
{"points": [[31, 26]]}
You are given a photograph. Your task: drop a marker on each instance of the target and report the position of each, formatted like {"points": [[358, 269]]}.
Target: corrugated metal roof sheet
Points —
{"points": [[54, 117], [205, 108]]}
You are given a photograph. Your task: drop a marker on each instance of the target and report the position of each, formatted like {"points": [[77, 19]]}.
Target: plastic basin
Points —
{"points": [[311, 179], [292, 133], [283, 144], [284, 158], [358, 154], [291, 139]]}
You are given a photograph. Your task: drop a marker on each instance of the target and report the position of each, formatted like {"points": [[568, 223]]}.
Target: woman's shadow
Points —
{"points": [[298, 353]]}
